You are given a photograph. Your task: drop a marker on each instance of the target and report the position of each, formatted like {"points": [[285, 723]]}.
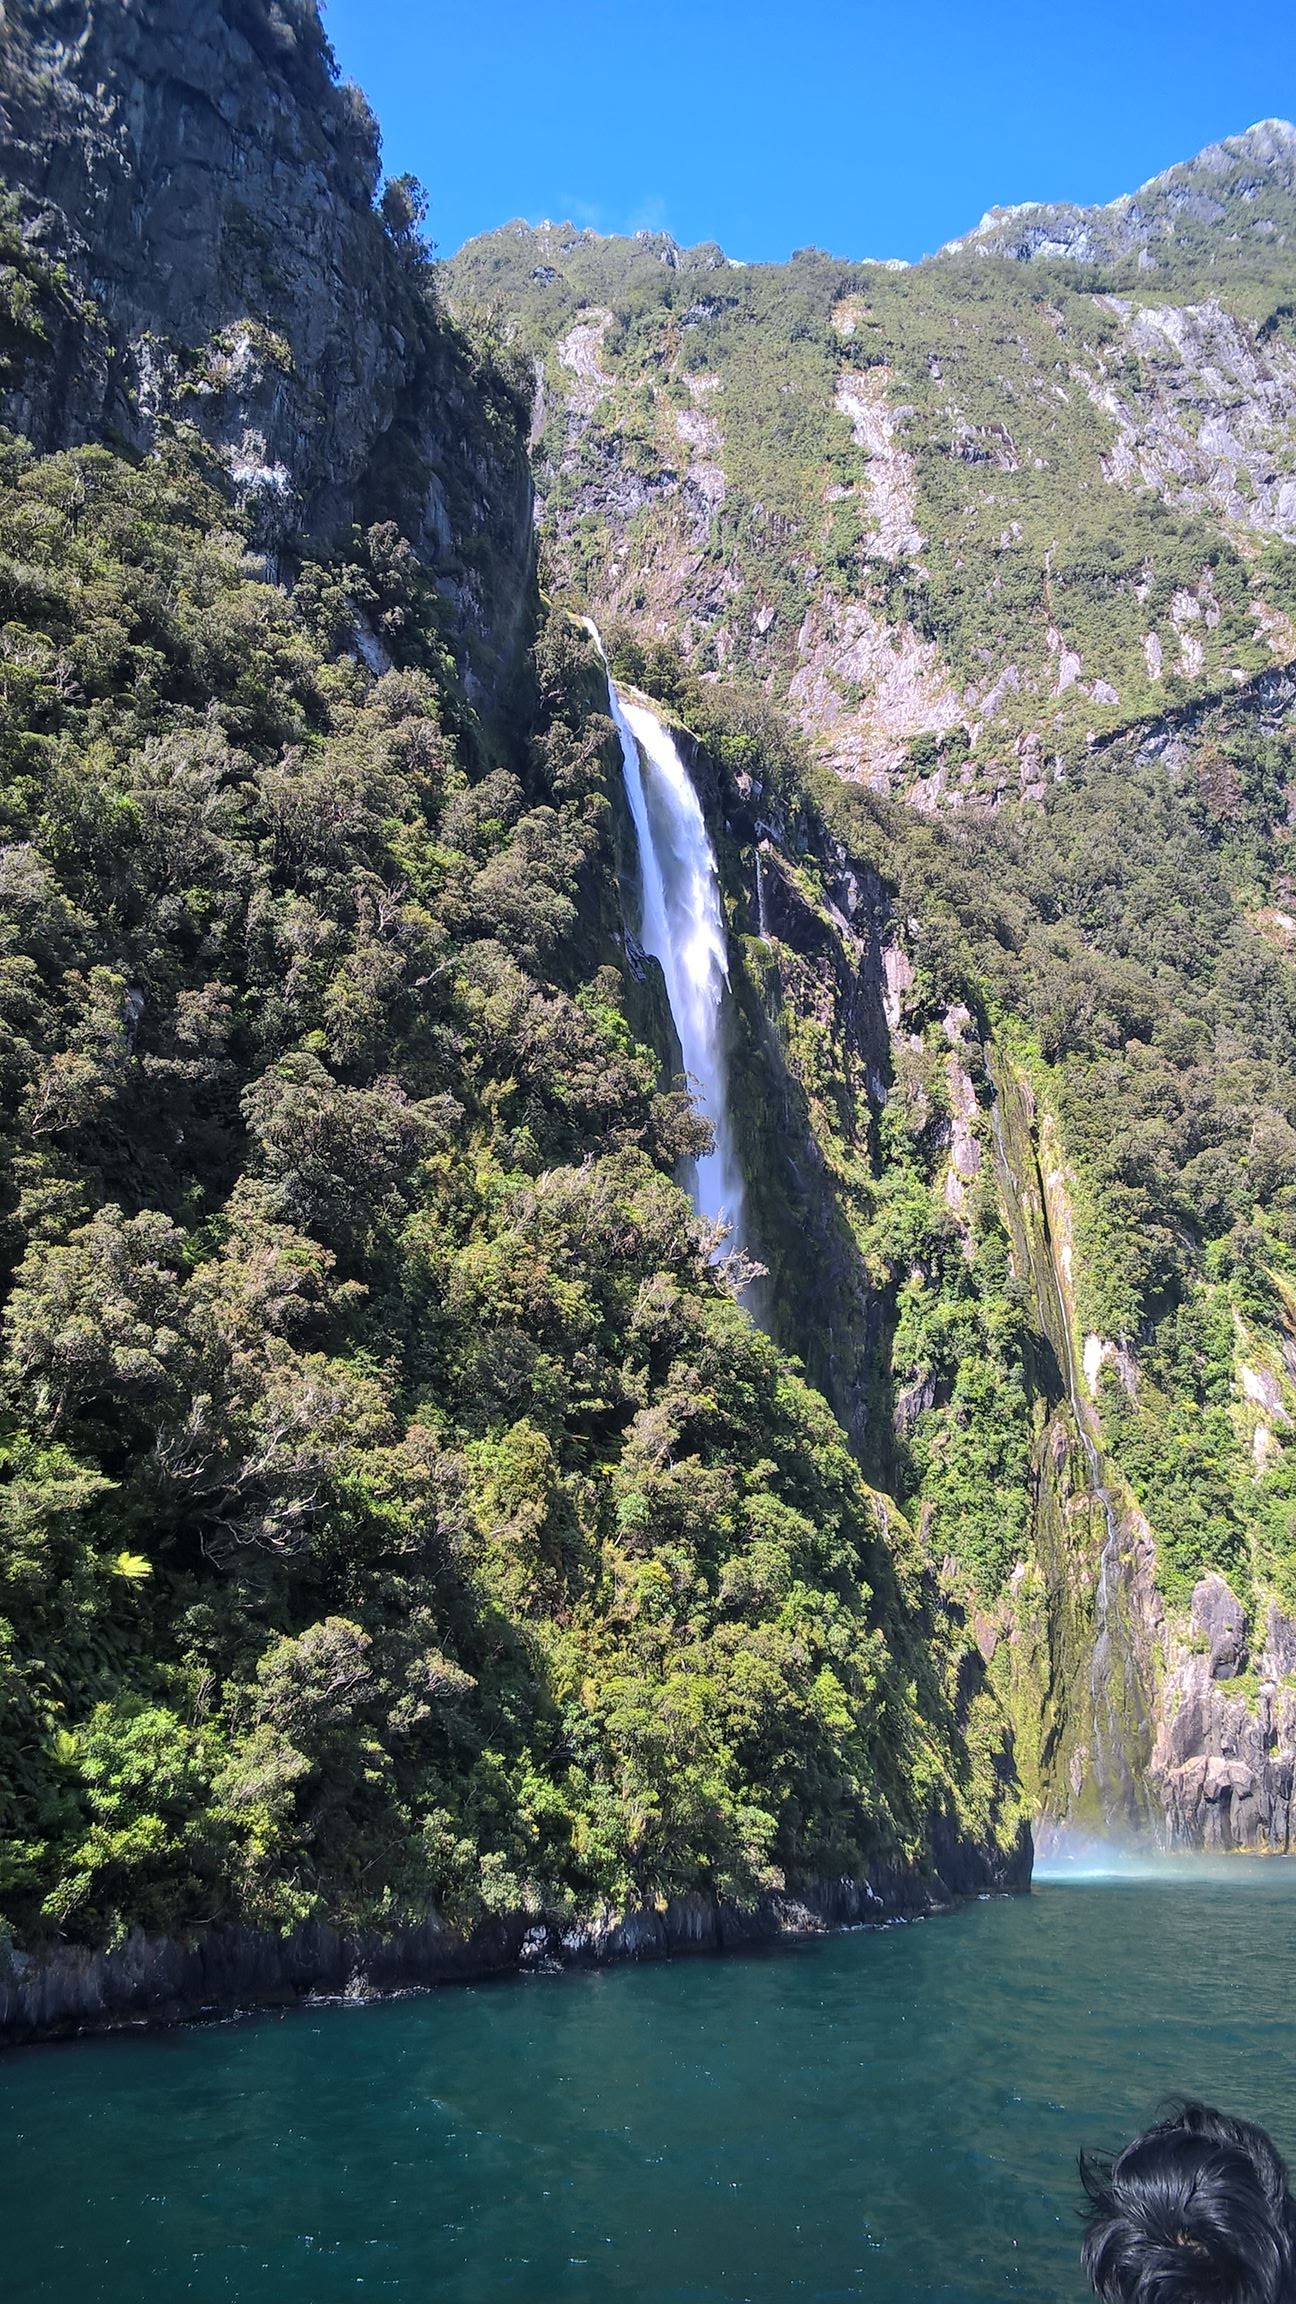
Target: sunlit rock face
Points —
{"points": [[211, 190], [1257, 168], [1225, 1758], [961, 520]]}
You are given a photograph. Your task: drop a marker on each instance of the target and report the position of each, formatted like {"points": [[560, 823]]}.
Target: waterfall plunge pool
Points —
{"points": [[890, 2116]]}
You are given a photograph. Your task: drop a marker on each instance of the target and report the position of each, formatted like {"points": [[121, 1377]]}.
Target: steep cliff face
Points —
{"points": [[1172, 1721], [207, 193], [398, 1514], [937, 1258], [1086, 1667], [1225, 1756]]}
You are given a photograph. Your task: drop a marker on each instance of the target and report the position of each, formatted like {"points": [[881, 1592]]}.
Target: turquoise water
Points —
{"points": [[884, 2116]]}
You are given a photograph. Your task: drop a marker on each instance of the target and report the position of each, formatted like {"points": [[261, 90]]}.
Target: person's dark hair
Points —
{"points": [[1194, 2211]]}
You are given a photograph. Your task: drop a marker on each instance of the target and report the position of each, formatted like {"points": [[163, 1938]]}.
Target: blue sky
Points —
{"points": [[868, 130]]}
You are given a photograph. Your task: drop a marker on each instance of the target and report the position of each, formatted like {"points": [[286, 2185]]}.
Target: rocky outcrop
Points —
{"points": [[1193, 740], [1224, 1762], [864, 687], [209, 192], [888, 486], [580, 353], [1247, 175], [1202, 408], [68, 1988]]}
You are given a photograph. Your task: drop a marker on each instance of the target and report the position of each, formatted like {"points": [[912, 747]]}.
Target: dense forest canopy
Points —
{"points": [[398, 1507]]}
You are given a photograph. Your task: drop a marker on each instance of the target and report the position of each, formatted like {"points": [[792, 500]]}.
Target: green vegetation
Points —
{"points": [[994, 378], [394, 1506], [1111, 937], [1108, 941], [398, 1509]]}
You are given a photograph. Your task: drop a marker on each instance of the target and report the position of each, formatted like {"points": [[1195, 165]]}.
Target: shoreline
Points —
{"points": [[68, 1991]]}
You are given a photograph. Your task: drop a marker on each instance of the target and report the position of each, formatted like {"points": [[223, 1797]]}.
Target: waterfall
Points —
{"points": [[1120, 1702], [762, 907], [683, 928]]}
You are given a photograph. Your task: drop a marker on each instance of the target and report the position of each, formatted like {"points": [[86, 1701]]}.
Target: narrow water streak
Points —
{"points": [[682, 927]]}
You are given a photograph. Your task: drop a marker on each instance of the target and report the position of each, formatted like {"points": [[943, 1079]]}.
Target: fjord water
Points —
{"points": [[889, 2116], [682, 926]]}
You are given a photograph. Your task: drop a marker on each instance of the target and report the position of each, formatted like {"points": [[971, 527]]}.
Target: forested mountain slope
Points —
{"points": [[960, 517], [407, 1526], [1005, 542], [400, 1518]]}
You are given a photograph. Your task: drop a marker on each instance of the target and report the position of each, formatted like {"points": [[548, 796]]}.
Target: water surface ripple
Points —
{"points": [[888, 2116]]}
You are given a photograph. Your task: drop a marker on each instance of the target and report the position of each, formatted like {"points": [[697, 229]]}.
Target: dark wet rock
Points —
{"points": [[68, 1988]]}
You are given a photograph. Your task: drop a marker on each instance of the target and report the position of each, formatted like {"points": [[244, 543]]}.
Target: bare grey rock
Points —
{"points": [[1224, 1763], [1208, 424], [210, 190], [1220, 1619], [1241, 173]]}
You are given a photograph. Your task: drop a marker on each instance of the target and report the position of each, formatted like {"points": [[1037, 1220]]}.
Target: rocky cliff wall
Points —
{"points": [[201, 195], [1082, 1611], [1224, 1761], [812, 1064], [1256, 170], [158, 1980], [1174, 1725], [1167, 1724]]}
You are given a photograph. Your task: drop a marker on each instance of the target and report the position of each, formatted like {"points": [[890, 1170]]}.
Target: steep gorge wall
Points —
{"points": [[822, 1024], [237, 290], [1090, 1677], [1149, 1727], [1170, 1724], [199, 195]]}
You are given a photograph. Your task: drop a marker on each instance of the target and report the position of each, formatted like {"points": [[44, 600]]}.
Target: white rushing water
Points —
{"points": [[683, 928]]}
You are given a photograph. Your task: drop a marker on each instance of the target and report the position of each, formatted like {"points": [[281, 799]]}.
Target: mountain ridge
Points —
{"points": [[1270, 144], [1132, 219]]}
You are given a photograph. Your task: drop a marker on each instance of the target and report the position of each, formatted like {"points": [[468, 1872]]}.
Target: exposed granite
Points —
{"points": [[1202, 406], [210, 190], [1246, 175], [1224, 1763]]}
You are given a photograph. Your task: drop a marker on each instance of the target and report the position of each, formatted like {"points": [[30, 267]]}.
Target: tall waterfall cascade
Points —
{"points": [[683, 928]]}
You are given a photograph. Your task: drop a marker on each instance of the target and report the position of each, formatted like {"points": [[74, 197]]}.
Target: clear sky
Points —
{"points": [[866, 129]]}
